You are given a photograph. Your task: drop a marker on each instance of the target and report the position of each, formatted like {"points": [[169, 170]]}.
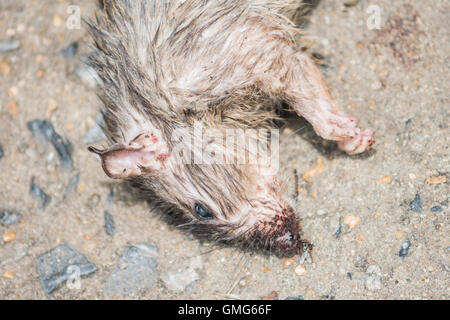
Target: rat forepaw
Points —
{"points": [[360, 142]]}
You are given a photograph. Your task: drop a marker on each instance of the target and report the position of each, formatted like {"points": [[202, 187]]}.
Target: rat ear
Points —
{"points": [[146, 154]]}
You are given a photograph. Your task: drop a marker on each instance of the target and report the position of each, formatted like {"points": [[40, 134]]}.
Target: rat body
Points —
{"points": [[181, 71]]}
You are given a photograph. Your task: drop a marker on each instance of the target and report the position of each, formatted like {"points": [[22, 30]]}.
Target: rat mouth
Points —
{"points": [[285, 243]]}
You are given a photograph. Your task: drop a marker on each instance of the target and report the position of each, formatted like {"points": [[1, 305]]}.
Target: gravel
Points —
{"points": [[8, 218], [404, 249], [436, 209], [39, 196], [44, 132], [136, 270], [60, 264], [110, 226], [182, 278], [416, 204], [70, 51]]}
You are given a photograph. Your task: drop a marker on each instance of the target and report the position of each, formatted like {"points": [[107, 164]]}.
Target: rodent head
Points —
{"points": [[241, 203]]}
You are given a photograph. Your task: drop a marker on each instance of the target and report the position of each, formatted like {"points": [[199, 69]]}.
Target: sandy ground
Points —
{"points": [[395, 80]]}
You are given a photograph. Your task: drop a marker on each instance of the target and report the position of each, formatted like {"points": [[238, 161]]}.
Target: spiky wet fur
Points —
{"points": [[165, 65]]}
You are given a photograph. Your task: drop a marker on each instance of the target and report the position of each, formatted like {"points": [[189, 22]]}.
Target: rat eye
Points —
{"points": [[202, 212]]}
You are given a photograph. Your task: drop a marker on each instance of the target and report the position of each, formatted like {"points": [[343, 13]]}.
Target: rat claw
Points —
{"points": [[359, 143]]}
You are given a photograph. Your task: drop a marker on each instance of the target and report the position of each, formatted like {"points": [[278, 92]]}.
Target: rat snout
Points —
{"points": [[288, 237]]}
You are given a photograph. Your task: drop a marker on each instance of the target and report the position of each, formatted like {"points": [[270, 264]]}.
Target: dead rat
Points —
{"points": [[181, 71]]}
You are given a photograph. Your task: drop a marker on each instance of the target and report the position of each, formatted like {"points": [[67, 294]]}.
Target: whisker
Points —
{"points": [[287, 140]]}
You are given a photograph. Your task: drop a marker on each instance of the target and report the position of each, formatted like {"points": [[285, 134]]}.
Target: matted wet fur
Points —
{"points": [[227, 65]]}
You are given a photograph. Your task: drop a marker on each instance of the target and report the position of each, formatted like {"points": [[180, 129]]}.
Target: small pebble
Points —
{"points": [[319, 168], [57, 20], [8, 218], [179, 280], [44, 132], [404, 249], [287, 262], [436, 209], [70, 51], [9, 236], [408, 123], [13, 110], [338, 232], [384, 180], [300, 270], [349, 275], [5, 67], [93, 200], [351, 221], [110, 226], [445, 266], [271, 296], [9, 45], [39, 195], [8, 274], [436, 180], [398, 234], [416, 204], [136, 270], [1, 151], [351, 3]]}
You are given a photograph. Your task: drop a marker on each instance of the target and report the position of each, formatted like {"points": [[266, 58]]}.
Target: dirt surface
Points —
{"points": [[357, 211]]}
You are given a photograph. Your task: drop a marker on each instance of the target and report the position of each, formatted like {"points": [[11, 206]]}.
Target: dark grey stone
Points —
{"points": [[70, 51], [8, 217], [338, 232], [416, 204], [404, 249], [54, 266], [110, 226], [44, 132], [1, 151], [436, 209], [136, 270], [39, 196]]}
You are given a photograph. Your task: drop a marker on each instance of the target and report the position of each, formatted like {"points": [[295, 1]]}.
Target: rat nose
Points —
{"points": [[291, 236]]}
